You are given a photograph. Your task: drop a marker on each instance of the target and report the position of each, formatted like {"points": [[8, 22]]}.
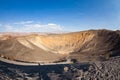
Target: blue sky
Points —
{"points": [[58, 15]]}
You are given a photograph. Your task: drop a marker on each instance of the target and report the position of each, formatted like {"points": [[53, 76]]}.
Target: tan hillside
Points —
{"points": [[83, 46]]}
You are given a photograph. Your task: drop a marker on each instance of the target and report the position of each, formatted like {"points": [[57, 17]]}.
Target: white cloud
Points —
{"points": [[54, 26], [33, 25], [51, 24], [24, 22], [28, 26]]}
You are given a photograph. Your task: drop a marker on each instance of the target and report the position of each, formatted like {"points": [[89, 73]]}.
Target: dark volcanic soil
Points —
{"points": [[106, 70]]}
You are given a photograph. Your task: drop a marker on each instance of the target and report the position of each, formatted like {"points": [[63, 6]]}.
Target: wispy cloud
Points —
{"points": [[30, 26], [24, 22], [10, 28], [35, 25], [54, 26]]}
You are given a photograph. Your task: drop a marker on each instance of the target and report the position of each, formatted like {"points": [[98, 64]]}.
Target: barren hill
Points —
{"points": [[83, 46]]}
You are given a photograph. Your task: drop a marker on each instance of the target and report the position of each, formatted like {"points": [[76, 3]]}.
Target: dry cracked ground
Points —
{"points": [[96, 53]]}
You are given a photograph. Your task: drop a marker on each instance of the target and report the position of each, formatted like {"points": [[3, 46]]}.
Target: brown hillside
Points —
{"points": [[83, 46], [104, 44]]}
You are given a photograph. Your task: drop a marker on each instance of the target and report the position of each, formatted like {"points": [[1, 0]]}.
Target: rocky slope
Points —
{"points": [[105, 70], [88, 45]]}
